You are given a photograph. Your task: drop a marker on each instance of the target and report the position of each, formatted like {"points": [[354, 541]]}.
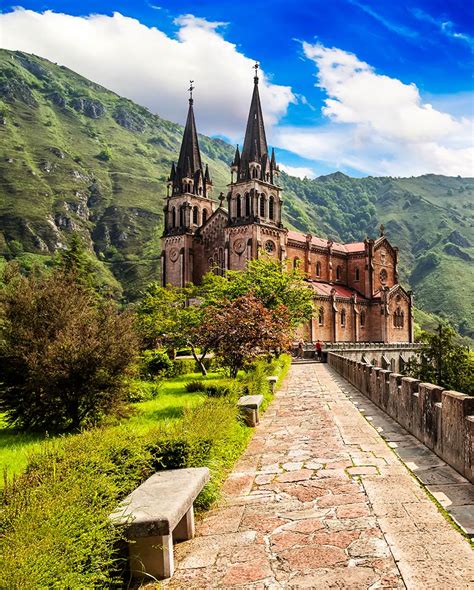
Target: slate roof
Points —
{"points": [[322, 288], [336, 246]]}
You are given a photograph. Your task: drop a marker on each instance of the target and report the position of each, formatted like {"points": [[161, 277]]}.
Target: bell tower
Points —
{"points": [[254, 199], [188, 206]]}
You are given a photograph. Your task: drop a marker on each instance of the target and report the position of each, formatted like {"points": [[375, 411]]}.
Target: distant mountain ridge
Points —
{"points": [[77, 157]]}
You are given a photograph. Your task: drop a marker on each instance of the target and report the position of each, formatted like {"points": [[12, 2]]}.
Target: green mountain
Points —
{"points": [[75, 157]]}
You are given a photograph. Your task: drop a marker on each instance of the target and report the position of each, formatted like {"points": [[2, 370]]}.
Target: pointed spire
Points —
{"points": [[189, 161], [207, 176], [255, 143], [172, 173], [273, 160], [236, 161]]}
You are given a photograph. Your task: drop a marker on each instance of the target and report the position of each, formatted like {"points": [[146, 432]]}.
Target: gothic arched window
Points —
{"points": [[398, 318], [262, 205], [338, 273], [247, 205], [195, 215], [321, 316], [238, 206], [204, 216], [221, 261], [318, 269], [271, 207], [181, 216], [173, 217], [343, 318], [362, 319], [357, 274]]}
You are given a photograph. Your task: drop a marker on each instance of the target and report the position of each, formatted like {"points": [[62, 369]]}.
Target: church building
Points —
{"points": [[356, 291]]}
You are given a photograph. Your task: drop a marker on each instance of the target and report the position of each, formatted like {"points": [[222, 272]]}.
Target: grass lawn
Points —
{"points": [[169, 403]]}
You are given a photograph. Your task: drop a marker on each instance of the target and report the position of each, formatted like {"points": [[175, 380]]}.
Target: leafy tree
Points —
{"points": [[16, 248], [443, 362], [270, 281], [240, 330], [75, 261], [168, 317], [171, 317], [65, 354]]}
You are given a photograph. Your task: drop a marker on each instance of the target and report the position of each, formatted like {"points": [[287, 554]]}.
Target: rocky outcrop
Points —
{"points": [[46, 167], [57, 98], [62, 221], [34, 67], [95, 196], [458, 239], [90, 107], [16, 89], [128, 119], [79, 207], [57, 152], [454, 250]]}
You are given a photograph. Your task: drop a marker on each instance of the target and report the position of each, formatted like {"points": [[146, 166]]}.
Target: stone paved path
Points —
{"points": [[318, 500]]}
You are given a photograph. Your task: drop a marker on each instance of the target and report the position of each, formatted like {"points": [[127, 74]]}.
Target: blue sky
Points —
{"points": [[361, 86]]}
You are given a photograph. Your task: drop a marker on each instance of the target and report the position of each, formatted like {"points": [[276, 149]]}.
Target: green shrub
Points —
{"points": [[65, 353], [255, 382], [182, 367], [56, 532], [194, 386], [139, 391], [104, 155], [216, 390], [154, 363], [229, 389], [212, 364]]}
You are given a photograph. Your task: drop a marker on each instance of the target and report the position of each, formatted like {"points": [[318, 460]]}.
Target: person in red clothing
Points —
{"points": [[319, 349]]}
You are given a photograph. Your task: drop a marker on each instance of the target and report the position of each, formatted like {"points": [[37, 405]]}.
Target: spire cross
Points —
{"points": [[190, 90], [255, 67]]}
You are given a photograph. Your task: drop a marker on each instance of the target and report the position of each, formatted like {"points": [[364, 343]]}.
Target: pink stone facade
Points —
{"points": [[357, 296]]}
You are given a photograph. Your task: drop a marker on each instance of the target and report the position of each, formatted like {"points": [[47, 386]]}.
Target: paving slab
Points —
{"points": [[318, 500]]}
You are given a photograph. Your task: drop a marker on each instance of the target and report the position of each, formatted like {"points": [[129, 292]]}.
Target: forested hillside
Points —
{"points": [[76, 157]]}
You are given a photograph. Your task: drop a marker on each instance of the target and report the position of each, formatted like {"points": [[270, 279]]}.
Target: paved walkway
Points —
{"points": [[319, 500]]}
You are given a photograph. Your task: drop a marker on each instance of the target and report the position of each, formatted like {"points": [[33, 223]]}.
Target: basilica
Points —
{"points": [[356, 291]]}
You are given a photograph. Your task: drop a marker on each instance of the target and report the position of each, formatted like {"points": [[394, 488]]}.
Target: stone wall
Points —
{"points": [[387, 356], [442, 420]]}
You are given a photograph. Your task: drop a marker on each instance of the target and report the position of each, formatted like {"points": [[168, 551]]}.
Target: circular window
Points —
{"points": [[270, 246], [239, 246], [383, 276]]}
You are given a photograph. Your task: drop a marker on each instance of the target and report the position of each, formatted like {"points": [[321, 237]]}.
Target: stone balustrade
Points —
{"points": [[442, 420]]}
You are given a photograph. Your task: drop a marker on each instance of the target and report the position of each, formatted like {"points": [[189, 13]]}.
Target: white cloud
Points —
{"points": [[150, 67], [299, 171], [378, 124], [446, 27], [374, 124], [388, 24]]}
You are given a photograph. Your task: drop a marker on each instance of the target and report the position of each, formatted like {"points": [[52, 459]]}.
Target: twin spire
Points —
{"points": [[253, 163], [189, 176]]}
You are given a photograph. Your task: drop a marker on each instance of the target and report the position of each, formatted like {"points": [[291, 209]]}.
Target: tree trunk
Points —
{"points": [[199, 361]]}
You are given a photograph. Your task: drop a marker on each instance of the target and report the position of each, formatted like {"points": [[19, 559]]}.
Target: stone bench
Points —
{"points": [[272, 381], [249, 406], [157, 513]]}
